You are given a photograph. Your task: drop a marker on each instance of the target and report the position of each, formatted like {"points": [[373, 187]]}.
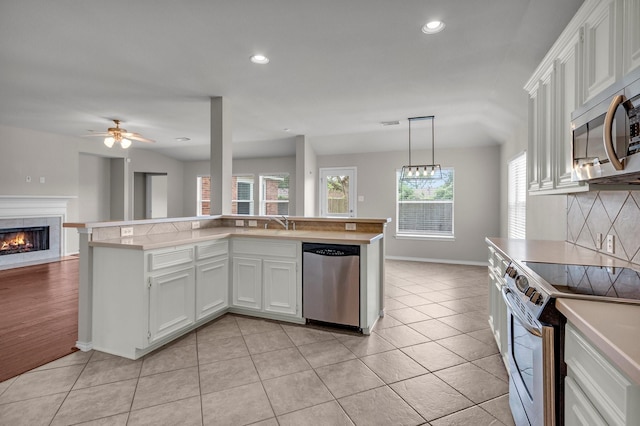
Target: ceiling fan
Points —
{"points": [[116, 134]]}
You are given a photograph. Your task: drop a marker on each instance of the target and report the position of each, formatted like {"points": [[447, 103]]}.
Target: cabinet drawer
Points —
{"points": [[170, 257], [614, 396], [578, 410], [212, 249], [268, 248]]}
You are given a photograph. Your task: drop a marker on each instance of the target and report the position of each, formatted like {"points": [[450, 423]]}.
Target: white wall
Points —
{"points": [[94, 188], [476, 198]]}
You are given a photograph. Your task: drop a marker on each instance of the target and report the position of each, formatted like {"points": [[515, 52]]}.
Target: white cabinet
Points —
{"points": [[212, 284], [280, 287], [596, 392], [171, 301], [497, 307], [247, 282], [602, 48], [541, 113], [266, 279], [630, 36], [143, 299]]}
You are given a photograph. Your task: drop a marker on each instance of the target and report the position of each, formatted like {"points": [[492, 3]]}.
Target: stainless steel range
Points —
{"points": [[536, 329]]}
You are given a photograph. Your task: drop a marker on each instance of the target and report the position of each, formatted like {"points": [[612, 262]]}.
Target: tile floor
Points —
{"points": [[431, 360]]}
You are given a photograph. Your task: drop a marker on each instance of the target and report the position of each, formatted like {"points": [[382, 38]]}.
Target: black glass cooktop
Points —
{"points": [[623, 283]]}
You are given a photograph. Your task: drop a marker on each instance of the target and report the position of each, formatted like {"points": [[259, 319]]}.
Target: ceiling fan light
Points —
{"points": [[125, 143], [109, 141]]}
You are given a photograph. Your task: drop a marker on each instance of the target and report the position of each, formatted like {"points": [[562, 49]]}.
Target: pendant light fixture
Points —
{"points": [[422, 171]]}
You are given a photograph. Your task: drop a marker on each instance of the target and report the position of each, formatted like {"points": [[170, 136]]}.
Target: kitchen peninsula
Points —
{"points": [[144, 283]]}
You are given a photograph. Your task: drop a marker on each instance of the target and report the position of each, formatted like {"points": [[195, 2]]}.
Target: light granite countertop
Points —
{"points": [[155, 241], [611, 327]]}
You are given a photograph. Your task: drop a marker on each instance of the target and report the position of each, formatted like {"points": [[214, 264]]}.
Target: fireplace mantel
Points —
{"points": [[12, 206]]}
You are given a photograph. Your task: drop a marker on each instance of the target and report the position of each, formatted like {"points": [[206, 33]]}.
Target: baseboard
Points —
{"points": [[84, 346], [448, 261]]}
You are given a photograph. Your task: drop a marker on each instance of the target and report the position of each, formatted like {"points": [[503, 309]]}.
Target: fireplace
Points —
{"points": [[23, 240]]}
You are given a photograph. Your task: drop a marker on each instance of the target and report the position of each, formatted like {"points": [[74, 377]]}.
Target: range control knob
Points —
{"points": [[522, 283], [511, 271], [536, 298], [530, 291]]}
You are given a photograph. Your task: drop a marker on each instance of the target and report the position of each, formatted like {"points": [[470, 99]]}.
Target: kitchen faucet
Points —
{"points": [[284, 224]]}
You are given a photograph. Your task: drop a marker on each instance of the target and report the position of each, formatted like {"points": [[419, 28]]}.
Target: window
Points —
{"points": [[204, 196], [425, 206], [517, 197], [242, 194], [274, 194]]}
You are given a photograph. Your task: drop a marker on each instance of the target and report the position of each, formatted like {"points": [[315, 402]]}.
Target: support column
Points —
{"points": [[306, 179], [85, 291], [221, 156]]}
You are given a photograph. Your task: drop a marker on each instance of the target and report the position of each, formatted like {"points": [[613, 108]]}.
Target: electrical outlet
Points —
{"points": [[240, 222], [126, 231], [350, 226], [253, 223], [195, 225], [599, 241], [610, 244]]}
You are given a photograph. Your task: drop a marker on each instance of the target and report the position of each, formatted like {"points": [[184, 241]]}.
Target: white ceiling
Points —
{"points": [[338, 67]]}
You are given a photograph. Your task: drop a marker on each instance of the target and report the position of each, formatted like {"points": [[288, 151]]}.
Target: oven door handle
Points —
{"points": [[515, 312]]}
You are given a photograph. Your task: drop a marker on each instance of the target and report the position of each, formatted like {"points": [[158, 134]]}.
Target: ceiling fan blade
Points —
{"points": [[137, 137], [102, 134]]}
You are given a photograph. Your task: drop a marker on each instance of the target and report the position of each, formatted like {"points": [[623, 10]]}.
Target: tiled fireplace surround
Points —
{"points": [[614, 213]]}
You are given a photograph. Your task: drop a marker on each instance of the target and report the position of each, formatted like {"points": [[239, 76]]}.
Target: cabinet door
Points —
{"points": [[212, 283], [546, 122], [247, 282], [578, 410], [171, 302], [631, 36], [533, 172], [568, 81], [280, 287], [602, 49]]}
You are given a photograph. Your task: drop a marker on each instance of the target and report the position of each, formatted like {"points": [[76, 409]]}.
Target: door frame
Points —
{"points": [[352, 172]]}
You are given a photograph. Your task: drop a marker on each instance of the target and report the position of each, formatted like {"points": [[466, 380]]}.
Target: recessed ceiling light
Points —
{"points": [[286, 129], [259, 59], [433, 27], [183, 139]]}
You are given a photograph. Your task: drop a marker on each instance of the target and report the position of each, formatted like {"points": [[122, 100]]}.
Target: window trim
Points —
{"points": [[262, 201], [251, 201], [424, 237]]}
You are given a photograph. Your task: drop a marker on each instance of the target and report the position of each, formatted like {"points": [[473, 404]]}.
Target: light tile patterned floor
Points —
{"points": [[431, 360]]}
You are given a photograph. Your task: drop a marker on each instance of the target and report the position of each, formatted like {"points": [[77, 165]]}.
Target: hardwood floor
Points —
{"points": [[38, 315]]}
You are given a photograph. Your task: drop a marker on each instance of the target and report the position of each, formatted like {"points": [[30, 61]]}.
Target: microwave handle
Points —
{"points": [[608, 138]]}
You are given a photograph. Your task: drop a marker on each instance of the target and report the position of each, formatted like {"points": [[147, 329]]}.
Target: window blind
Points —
{"points": [[517, 197]]}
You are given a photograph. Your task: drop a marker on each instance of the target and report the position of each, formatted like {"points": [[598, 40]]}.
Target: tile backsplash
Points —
{"points": [[614, 213]]}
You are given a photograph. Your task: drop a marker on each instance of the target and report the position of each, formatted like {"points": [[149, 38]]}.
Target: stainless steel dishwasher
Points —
{"points": [[331, 283]]}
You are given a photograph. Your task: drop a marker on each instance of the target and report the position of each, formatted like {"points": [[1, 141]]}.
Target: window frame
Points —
{"points": [[262, 196], [517, 196], [199, 199], [400, 234], [250, 179]]}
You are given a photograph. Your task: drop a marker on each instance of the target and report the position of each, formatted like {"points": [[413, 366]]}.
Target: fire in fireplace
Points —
{"points": [[24, 240]]}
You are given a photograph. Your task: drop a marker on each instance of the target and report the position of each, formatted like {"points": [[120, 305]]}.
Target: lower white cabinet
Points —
{"points": [[266, 278], [247, 282], [596, 392], [497, 307], [143, 299], [212, 287], [171, 302]]}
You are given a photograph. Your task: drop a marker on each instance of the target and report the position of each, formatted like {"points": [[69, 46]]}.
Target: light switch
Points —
{"points": [[41, 179], [361, 198], [28, 179]]}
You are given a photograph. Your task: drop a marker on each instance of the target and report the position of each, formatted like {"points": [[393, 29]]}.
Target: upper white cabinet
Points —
{"points": [[598, 47], [602, 48]]}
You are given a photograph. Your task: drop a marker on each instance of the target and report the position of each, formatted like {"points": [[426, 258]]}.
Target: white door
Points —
{"points": [[247, 282], [212, 282], [171, 303], [338, 192], [280, 287]]}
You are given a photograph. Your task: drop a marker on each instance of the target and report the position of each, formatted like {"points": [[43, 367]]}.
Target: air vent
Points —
{"points": [[390, 123]]}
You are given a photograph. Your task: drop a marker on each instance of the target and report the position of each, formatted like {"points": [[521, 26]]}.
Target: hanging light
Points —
{"points": [[125, 143], [109, 141], [408, 172]]}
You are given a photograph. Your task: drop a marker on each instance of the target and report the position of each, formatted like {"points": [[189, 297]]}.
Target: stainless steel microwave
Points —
{"points": [[606, 136]]}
